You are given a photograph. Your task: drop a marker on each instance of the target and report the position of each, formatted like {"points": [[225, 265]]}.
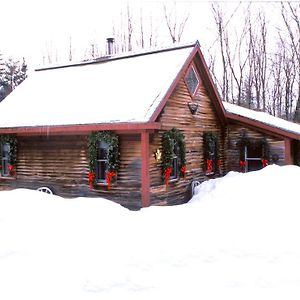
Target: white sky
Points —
{"points": [[30, 27]]}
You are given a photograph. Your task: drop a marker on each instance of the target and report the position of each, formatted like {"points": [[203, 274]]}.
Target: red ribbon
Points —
{"points": [[11, 169], [91, 177], [209, 167], [264, 162], [242, 165], [109, 177], [183, 171], [219, 162], [167, 175]]}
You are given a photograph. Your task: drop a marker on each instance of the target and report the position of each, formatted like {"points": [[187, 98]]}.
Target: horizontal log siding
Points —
{"points": [[177, 114], [57, 162], [61, 163], [233, 135]]}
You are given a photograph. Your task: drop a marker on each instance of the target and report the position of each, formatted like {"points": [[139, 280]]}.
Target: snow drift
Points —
{"points": [[238, 238]]}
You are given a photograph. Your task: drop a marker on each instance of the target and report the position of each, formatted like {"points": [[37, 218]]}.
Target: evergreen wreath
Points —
{"points": [[112, 140], [171, 138], [12, 141]]}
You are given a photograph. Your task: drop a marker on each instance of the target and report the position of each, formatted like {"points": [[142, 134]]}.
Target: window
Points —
{"points": [[192, 81], [175, 163], [102, 162], [5, 150], [211, 153], [253, 157]]}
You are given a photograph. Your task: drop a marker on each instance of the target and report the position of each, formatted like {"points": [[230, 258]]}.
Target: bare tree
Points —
{"points": [[290, 15], [175, 26]]}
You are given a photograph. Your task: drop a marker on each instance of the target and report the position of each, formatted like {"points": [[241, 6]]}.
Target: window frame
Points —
{"points": [[249, 159], [190, 68], [175, 162], [101, 160], [5, 159]]}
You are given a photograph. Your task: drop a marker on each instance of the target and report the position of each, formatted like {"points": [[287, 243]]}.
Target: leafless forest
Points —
{"points": [[253, 51]]}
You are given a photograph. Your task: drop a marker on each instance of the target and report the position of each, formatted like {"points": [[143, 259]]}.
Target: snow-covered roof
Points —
{"points": [[125, 89], [262, 118]]}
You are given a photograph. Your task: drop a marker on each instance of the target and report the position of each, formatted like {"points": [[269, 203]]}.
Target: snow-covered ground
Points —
{"points": [[238, 238]]}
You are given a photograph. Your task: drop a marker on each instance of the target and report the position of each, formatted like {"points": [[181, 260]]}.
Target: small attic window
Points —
{"points": [[192, 80]]}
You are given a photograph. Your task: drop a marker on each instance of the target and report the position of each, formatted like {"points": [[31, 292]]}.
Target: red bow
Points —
{"points": [[209, 167], [264, 162], [242, 165], [167, 175], [109, 176], [219, 162], [91, 177], [11, 169], [183, 170]]}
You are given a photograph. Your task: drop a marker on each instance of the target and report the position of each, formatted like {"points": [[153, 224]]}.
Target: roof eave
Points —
{"points": [[265, 128], [80, 129]]}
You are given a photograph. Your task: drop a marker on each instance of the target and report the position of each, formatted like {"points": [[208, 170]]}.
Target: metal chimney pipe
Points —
{"points": [[110, 46]]}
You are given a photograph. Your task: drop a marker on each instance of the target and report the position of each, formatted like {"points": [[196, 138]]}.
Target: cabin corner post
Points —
{"points": [[287, 152], [145, 189]]}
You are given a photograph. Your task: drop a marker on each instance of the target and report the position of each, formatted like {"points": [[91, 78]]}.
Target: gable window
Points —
{"points": [[102, 161], [192, 80], [5, 158]]}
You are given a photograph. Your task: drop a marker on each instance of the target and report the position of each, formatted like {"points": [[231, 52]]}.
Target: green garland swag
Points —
{"points": [[112, 140], [12, 141], [169, 140]]}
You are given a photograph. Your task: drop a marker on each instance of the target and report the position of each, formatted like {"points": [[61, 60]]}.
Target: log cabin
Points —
{"points": [[135, 128]]}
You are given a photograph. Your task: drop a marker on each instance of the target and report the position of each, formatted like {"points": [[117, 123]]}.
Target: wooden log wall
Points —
{"points": [[177, 114], [61, 163], [233, 135]]}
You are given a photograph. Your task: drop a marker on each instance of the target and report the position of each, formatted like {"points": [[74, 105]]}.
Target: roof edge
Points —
{"points": [[267, 128], [124, 55], [80, 129]]}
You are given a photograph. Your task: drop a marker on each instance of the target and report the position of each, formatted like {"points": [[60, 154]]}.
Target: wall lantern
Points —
{"points": [[193, 107], [157, 155]]}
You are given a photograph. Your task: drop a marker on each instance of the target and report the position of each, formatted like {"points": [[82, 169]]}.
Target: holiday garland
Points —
{"points": [[169, 140], [211, 152], [246, 142], [12, 141], [112, 140]]}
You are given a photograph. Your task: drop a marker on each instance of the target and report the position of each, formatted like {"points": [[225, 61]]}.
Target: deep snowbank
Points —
{"points": [[238, 238]]}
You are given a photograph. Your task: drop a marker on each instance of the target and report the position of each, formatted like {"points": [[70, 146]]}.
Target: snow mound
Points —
{"points": [[238, 238]]}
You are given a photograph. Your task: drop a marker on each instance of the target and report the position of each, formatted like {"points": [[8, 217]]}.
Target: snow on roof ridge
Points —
{"points": [[122, 55], [262, 117]]}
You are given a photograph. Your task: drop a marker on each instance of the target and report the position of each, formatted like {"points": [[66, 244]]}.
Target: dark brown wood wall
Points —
{"points": [[177, 114], [61, 163], [233, 135]]}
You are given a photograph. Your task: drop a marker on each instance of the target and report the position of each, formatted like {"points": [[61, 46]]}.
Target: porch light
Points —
{"points": [[157, 155], [193, 107]]}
